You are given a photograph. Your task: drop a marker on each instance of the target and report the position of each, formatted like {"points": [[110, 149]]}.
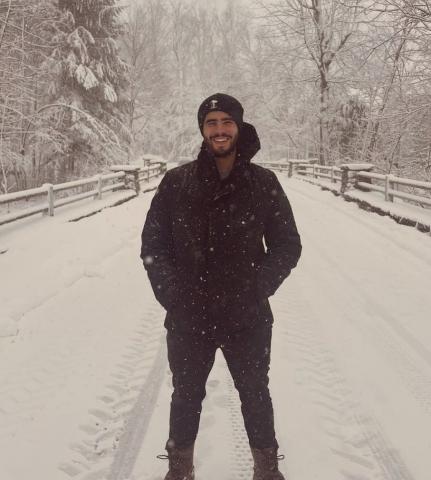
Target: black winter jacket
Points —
{"points": [[202, 242]]}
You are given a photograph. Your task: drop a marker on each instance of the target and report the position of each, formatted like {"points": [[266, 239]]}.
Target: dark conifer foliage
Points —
{"points": [[94, 79]]}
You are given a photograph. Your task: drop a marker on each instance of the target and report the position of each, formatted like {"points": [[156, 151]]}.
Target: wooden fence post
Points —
{"points": [[389, 185], [290, 172], [344, 178], [50, 193], [354, 168], [99, 187], [135, 174], [131, 176]]}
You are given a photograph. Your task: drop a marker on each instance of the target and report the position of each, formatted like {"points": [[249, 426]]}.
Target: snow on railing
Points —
{"points": [[122, 177]]}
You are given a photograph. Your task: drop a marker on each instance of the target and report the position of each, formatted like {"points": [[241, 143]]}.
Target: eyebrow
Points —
{"points": [[215, 119]]}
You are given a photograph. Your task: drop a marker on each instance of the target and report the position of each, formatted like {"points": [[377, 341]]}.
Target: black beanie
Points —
{"points": [[222, 103]]}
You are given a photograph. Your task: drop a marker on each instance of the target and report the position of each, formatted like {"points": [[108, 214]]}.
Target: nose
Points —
{"points": [[219, 128]]}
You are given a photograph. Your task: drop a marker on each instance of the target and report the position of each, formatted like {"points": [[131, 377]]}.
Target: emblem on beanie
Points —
{"points": [[213, 104]]}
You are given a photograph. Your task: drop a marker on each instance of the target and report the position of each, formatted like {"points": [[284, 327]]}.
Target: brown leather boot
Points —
{"points": [[266, 464], [180, 462]]}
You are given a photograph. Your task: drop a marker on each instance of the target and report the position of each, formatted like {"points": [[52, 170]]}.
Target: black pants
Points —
{"points": [[247, 355]]}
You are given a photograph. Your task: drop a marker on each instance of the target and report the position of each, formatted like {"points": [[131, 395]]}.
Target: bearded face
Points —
{"points": [[220, 133]]}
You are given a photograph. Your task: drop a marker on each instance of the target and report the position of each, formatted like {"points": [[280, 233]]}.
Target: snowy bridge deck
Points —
{"points": [[84, 386]]}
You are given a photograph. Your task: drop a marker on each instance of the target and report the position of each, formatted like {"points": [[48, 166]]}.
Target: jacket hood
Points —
{"points": [[248, 143]]}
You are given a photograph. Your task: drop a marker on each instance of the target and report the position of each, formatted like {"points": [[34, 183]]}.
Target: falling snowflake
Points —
{"points": [[148, 260]]}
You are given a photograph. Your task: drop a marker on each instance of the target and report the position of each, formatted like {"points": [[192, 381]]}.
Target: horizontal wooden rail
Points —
{"points": [[376, 176], [76, 183], [75, 198], [275, 165], [411, 196], [28, 212], [398, 180], [371, 186], [25, 194]]}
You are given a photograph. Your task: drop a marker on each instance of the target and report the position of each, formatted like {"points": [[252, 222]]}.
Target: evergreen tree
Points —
{"points": [[92, 80]]}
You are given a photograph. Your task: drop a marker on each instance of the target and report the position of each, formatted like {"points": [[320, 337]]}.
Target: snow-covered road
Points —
{"points": [[84, 384]]}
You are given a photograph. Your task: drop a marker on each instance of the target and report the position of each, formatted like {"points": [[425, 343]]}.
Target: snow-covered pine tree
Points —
{"points": [[92, 82]]}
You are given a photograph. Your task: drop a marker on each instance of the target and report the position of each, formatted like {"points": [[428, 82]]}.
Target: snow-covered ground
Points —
{"points": [[84, 383]]}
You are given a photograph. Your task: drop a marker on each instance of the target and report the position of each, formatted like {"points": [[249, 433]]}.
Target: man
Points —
{"points": [[202, 246]]}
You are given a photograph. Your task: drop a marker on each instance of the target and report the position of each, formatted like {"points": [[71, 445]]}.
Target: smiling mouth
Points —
{"points": [[220, 139]]}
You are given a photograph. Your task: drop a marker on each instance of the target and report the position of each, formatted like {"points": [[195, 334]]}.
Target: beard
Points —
{"points": [[223, 150]]}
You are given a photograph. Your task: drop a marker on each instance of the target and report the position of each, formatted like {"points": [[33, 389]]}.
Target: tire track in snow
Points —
{"points": [[327, 393], [355, 438], [222, 442], [241, 461], [113, 433], [416, 379], [369, 319], [139, 418]]}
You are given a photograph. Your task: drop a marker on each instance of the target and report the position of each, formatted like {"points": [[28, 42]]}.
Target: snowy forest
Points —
{"points": [[88, 83]]}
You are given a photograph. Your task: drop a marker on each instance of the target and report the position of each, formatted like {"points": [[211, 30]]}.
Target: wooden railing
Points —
{"points": [[388, 184], [152, 170], [274, 165], [354, 182], [122, 177], [334, 174], [360, 176]]}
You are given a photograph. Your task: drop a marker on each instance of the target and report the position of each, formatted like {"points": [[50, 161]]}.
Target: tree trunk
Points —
{"points": [[323, 119]]}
